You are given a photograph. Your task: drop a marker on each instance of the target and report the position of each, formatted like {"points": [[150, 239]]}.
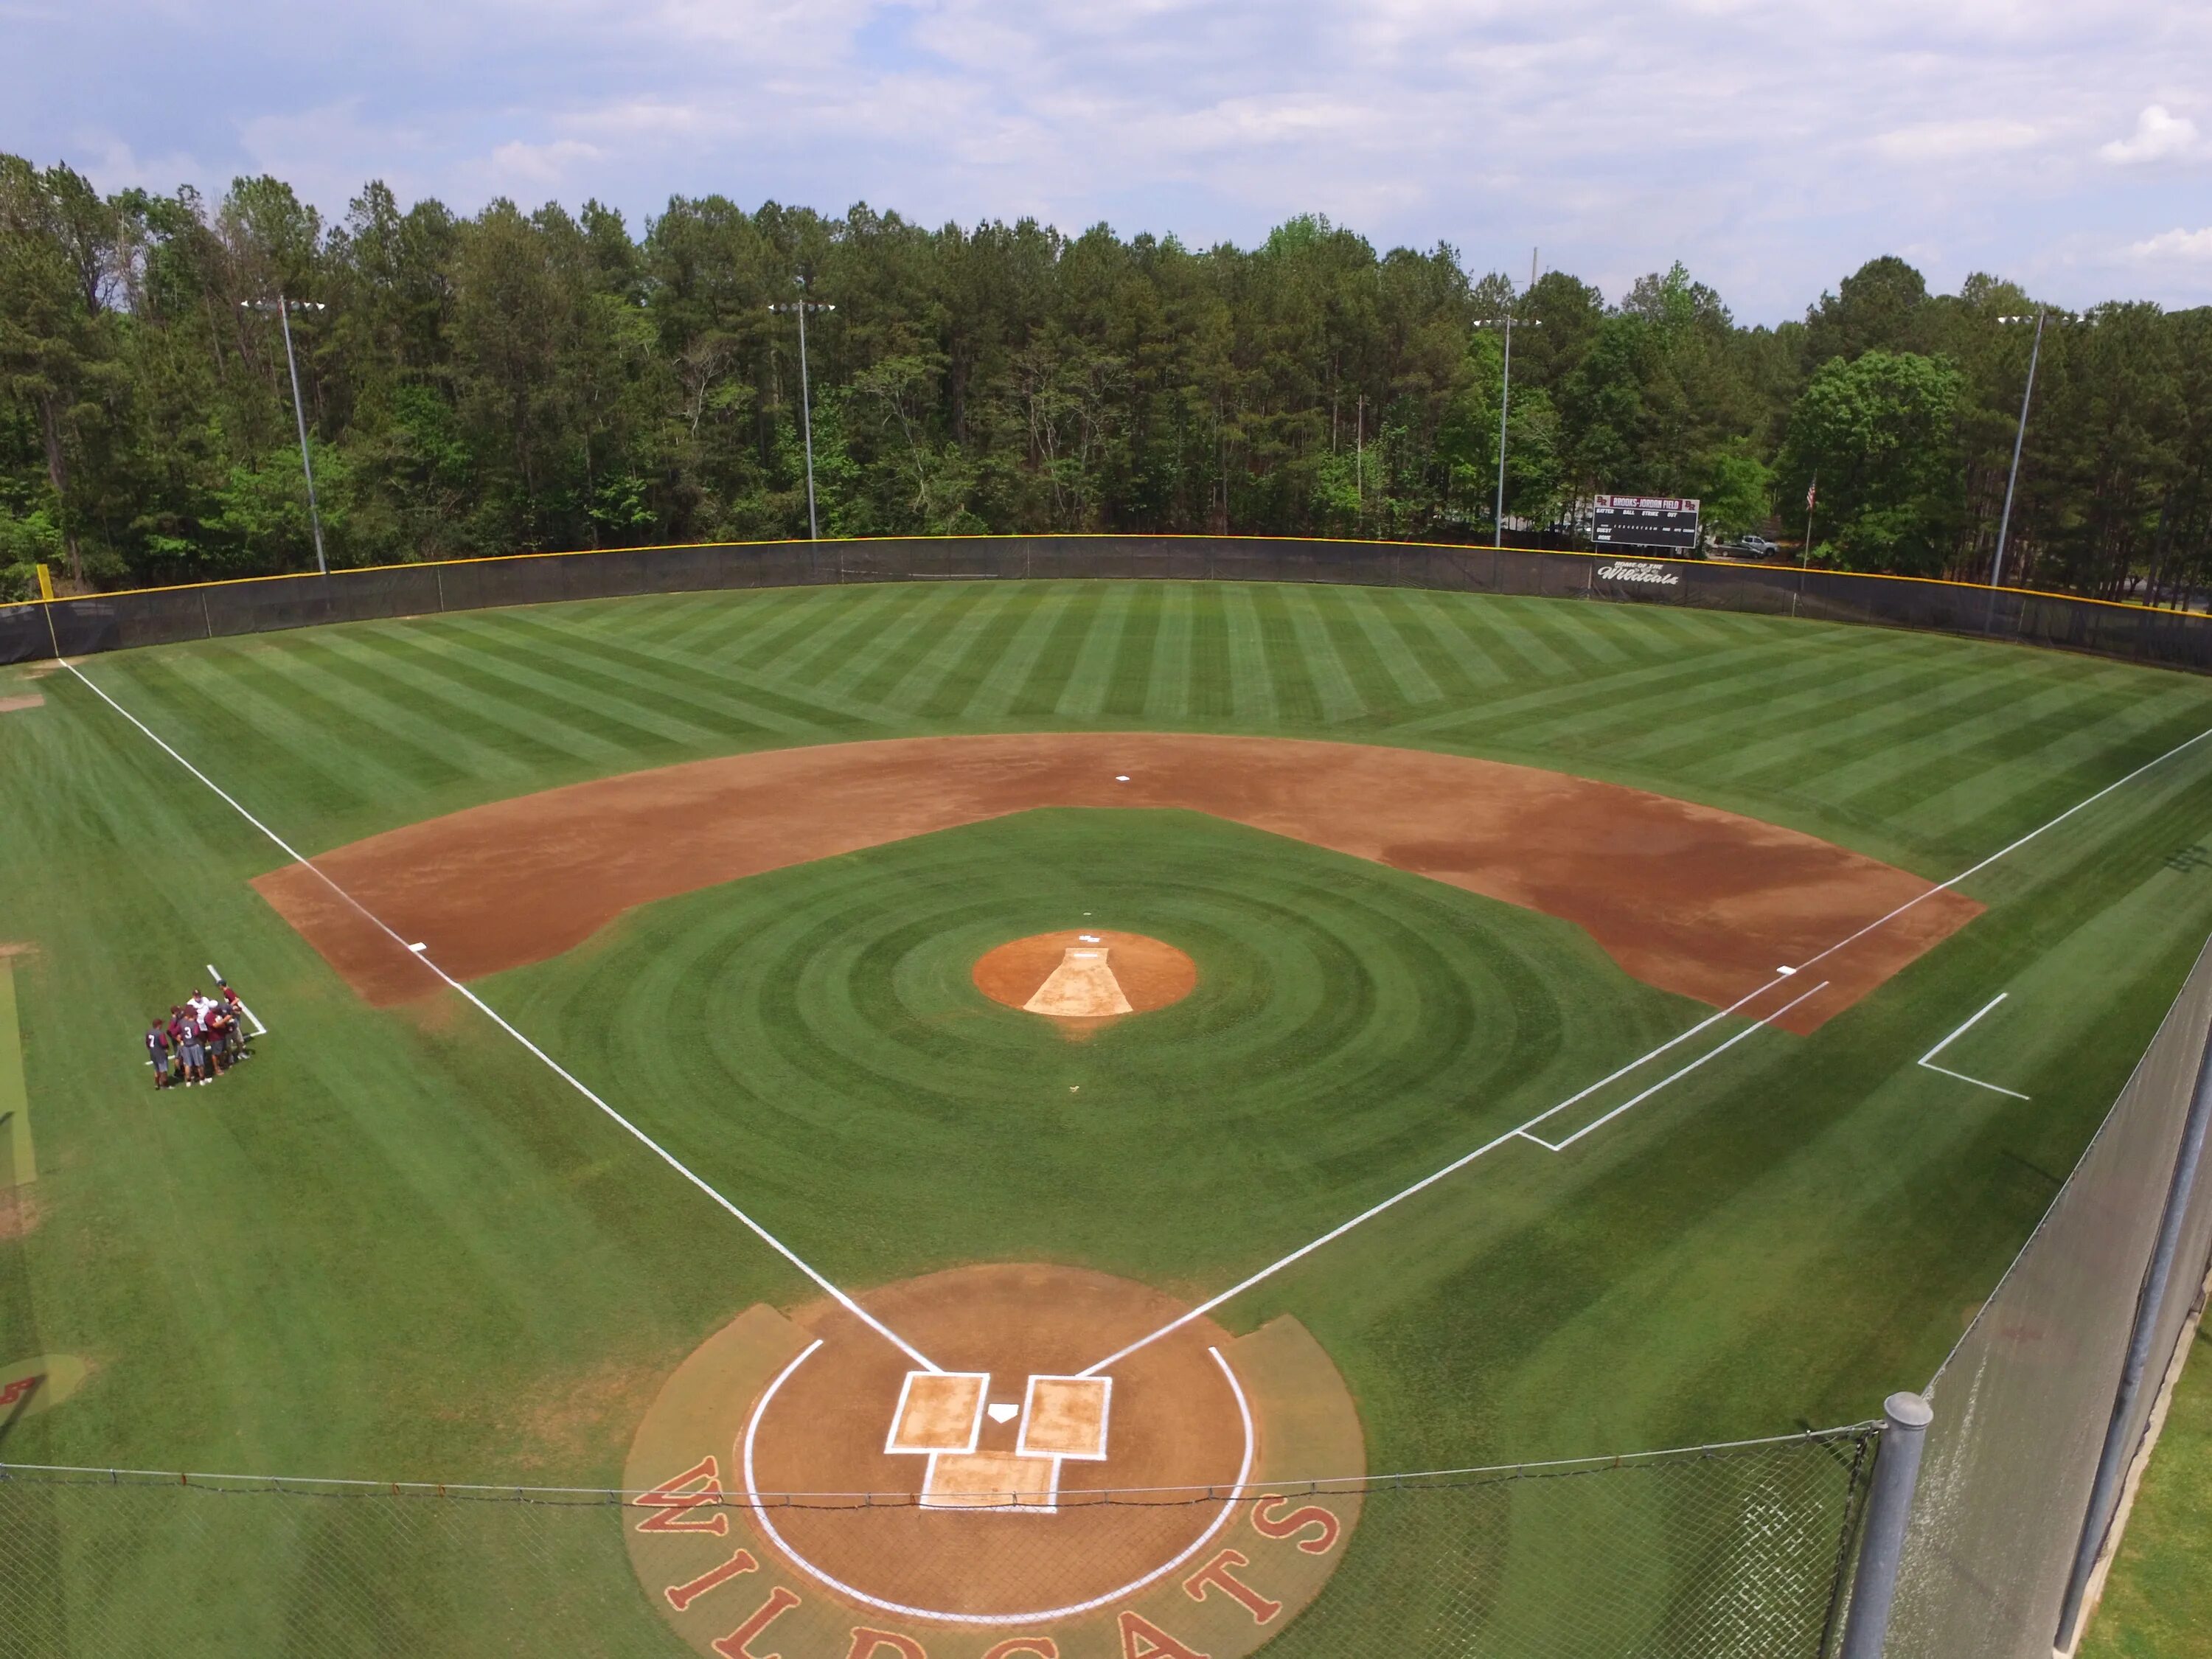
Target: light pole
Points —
{"points": [[284, 308], [1505, 401], [2020, 434], [1360, 465], [802, 305]]}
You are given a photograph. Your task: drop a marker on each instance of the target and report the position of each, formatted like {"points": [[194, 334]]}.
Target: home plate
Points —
{"points": [[1003, 1410]]}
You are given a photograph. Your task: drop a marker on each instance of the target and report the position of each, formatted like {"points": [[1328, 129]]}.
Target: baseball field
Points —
{"points": [[990, 1045]]}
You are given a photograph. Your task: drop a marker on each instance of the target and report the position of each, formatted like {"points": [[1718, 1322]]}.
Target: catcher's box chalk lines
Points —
{"points": [[493, 1015], [1522, 1132]]}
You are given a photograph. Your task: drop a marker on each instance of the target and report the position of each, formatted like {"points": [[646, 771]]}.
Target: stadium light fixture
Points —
{"points": [[284, 308], [801, 307], [2019, 432], [1506, 399]]}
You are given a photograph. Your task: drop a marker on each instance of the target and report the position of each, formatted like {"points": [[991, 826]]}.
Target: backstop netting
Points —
{"points": [[1735, 1551]]}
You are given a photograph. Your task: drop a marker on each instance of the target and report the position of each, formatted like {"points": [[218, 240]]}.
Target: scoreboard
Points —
{"points": [[1668, 521]]}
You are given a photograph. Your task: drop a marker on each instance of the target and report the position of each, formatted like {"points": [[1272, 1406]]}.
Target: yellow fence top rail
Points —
{"points": [[47, 597]]}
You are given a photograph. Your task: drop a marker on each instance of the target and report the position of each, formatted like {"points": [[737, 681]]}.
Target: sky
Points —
{"points": [[1773, 148]]}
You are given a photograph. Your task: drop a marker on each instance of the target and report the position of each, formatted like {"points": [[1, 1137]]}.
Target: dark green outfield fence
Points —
{"points": [[113, 622]]}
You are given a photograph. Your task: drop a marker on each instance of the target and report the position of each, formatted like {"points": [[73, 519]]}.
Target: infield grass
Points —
{"points": [[394, 1246]]}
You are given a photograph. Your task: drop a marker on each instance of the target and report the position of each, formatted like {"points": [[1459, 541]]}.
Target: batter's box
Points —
{"points": [[991, 1480], [938, 1411], [1065, 1417]]}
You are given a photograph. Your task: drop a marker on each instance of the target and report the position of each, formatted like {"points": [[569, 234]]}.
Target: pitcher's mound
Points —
{"points": [[1085, 976]]}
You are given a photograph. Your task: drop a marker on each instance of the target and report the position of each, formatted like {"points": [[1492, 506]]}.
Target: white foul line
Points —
{"points": [[1456, 1165], [1521, 1132], [493, 1015], [1928, 1059], [1672, 1077]]}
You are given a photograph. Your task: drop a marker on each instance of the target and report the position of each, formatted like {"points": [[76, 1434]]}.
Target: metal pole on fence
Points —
{"points": [[1889, 1507], [2112, 1462]]}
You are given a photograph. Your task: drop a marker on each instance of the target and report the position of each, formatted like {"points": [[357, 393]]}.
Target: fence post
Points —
{"points": [[1889, 1506], [2112, 1462]]}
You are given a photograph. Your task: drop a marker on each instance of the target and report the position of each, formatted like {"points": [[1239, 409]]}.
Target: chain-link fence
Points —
{"points": [[2024, 1403], [1728, 1550], [113, 621]]}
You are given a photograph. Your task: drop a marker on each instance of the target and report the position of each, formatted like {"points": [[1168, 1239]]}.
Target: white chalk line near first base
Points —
{"points": [[496, 1018], [759, 1508], [1522, 1132]]}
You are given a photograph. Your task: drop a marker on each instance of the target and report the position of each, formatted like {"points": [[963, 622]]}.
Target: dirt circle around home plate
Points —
{"points": [[1151, 974], [791, 1443]]}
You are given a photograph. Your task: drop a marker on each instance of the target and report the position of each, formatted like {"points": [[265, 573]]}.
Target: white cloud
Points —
{"points": [[114, 165], [2158, 136], [541, 166], [2176, 244], [1951, 141]]}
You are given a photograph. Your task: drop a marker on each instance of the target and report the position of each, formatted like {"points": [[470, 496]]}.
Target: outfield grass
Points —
{"points": [[2158, 1602], [396, 1247]]}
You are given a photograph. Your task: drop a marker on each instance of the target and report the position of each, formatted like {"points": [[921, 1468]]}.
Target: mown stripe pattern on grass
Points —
{"points": [[1911, 747]]}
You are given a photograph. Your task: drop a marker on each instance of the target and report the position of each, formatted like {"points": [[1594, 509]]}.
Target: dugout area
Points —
{"points": [[402, 1246]]}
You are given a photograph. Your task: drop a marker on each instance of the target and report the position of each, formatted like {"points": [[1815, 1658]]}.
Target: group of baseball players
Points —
{"points": [[202, 1037]]}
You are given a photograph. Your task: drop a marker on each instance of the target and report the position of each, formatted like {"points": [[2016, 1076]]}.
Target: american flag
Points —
{"points": [[1811, 490]]}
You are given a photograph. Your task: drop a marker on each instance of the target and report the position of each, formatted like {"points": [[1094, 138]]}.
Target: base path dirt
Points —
{"points": [[1688, 898]]}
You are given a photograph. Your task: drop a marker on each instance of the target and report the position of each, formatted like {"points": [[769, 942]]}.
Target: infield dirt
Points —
{"points": [[1686, 897]]}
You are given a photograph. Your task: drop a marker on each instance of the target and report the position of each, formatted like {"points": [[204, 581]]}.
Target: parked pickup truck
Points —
{"points": [[1751, 547]]}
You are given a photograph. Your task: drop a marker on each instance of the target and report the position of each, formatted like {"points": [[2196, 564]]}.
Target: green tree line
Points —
{"points": [[520, 380]]}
